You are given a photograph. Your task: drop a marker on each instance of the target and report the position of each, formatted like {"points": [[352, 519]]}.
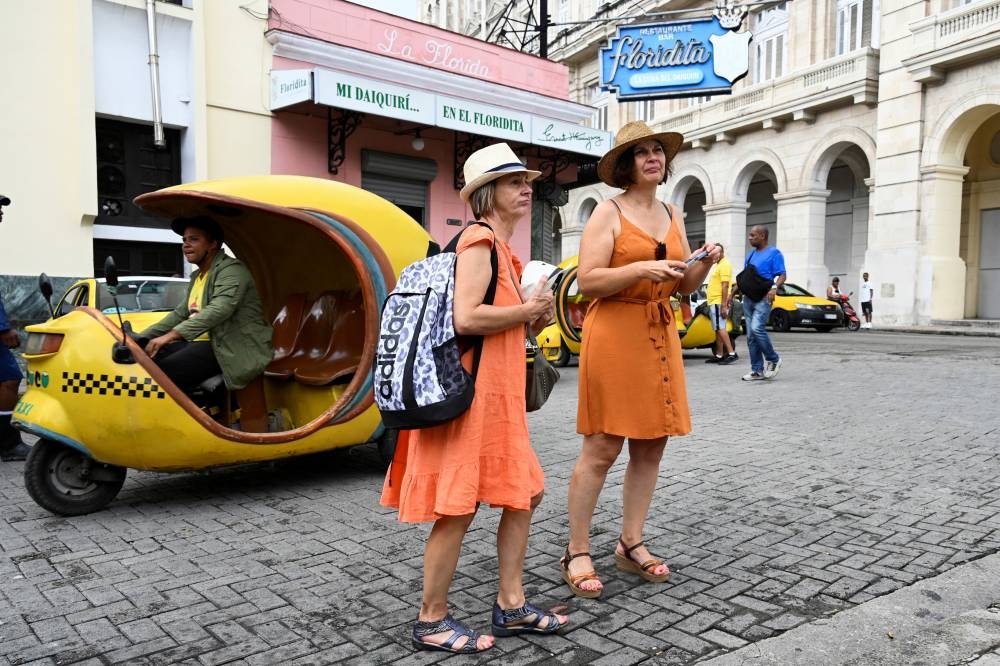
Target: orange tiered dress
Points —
{"points": [[631, 368], [485, 455]]}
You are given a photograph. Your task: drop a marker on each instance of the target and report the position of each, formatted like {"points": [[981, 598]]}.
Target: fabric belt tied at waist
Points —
{"points": [[659, 315]]}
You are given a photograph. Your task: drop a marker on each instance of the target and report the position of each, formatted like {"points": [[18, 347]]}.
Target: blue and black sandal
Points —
{"points": [[527, 619], [423, 629]]}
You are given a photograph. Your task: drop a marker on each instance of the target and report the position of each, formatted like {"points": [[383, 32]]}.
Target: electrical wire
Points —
{"points": [[697, 12]]}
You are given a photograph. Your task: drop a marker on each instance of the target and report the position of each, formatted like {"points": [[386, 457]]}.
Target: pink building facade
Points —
{"points": [[395, 107]]}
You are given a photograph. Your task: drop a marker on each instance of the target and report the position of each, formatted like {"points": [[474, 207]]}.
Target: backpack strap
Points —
{"points": [[491, 290]]}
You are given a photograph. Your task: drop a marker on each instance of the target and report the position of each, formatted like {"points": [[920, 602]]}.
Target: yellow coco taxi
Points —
{"points": [[142, 299], [561, 340], [323, 255]]}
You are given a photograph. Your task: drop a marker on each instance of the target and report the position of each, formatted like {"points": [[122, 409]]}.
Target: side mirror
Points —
{"points": [[45, 286], [110, 272]]}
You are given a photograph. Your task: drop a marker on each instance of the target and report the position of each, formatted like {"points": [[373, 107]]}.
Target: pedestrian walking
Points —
{"points": [[12, 448], [767, 263], [720, 301], [867, 296], [484, 456], [632, 260]]}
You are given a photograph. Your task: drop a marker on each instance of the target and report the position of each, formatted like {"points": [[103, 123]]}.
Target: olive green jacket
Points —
{"points": [[232, 315]]}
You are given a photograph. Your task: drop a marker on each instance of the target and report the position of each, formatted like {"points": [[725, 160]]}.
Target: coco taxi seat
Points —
{"points": [[312, 337], [341, 359], [286, 325]]}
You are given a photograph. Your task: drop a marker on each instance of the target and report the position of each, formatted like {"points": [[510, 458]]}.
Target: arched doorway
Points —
{"points": [[959, 234], [845, 239], [979, 244], [763, 210], [694, 215], [556, 255]]}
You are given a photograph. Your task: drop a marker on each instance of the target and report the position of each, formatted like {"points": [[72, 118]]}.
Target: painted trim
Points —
{"points": [[45, 433]]}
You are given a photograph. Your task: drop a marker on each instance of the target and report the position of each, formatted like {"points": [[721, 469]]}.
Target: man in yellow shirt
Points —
{"points": [[720, 298]]}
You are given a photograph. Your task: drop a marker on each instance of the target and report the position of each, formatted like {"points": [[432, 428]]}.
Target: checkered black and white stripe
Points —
{"points": [[118, 385]]}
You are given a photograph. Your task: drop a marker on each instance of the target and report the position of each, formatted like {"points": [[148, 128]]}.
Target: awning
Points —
{"points": [[392, 100]]}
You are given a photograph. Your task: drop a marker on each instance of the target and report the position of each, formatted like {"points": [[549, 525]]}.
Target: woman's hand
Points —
{"points": [[541, 305], [660, 271], [698, 271]]}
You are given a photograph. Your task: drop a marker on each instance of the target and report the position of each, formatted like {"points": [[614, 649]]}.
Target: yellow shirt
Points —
{"points": [[723, 272], [194, 301]]}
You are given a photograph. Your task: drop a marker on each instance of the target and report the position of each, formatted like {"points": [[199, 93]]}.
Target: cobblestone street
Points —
{"points": [[868, 464]]}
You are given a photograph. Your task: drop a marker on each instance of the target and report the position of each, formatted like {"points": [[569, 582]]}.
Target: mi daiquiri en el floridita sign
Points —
{"points": [[346, 91], [677, 59]]}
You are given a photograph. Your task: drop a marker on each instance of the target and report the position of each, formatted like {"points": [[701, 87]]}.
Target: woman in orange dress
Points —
{"points": [[484, 456], [632, 259]]}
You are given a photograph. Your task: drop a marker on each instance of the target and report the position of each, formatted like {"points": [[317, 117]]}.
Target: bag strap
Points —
{"points": [[746, 262], [531, 342], [491, 290]]}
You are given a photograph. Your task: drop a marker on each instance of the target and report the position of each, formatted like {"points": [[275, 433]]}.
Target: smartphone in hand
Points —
{"points": [[696, 258]]}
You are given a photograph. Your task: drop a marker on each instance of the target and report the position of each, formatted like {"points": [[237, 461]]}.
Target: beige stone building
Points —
{"points": [[866, 136]]}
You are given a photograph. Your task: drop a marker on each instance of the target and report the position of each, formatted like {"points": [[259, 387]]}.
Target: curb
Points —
{"points": [[947, 619]]}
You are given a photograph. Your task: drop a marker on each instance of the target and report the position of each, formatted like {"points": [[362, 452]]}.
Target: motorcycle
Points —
{"points": [[323, 256], [851, 319]]}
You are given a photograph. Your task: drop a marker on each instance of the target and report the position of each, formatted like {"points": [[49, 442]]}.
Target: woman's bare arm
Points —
{"points": [[472, 317]]}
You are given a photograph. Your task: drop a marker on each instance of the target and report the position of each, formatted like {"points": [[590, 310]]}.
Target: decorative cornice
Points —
{"points": [[727, 207], [361, 63], [802, 194], [944, 171]]}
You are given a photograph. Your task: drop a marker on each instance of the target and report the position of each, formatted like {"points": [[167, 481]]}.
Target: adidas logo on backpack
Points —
{"points": [[419, 377]]}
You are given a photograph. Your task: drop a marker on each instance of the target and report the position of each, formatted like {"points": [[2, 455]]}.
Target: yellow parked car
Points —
{"points": [[323, 255], [796, 307], [142, 300], [560, 340]]}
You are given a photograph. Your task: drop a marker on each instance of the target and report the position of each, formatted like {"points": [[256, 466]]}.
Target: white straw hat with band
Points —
{"points": [[490, 163], [629, 135]]}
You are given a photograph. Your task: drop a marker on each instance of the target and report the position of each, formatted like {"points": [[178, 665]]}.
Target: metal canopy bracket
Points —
{"points": [[340, 125], [465, 145]]}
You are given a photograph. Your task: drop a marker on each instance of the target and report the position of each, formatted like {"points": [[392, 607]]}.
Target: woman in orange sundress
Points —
{"points": [[632, 259], [484, 456]]}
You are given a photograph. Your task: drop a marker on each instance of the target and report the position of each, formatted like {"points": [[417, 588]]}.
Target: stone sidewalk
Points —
{"points": [[868, 466]]}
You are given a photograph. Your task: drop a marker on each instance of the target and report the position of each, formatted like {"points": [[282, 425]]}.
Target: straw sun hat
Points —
{"points": [[629, 135], [490, 163]]}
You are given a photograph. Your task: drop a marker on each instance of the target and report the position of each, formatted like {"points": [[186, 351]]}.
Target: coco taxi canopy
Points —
{"points": [[393, 100]]}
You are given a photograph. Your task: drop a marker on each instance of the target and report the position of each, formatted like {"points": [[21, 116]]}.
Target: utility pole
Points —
{"points": [[543, 28]]}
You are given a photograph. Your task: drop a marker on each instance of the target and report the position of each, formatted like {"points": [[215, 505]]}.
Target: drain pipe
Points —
{"points": [[154, 75]]}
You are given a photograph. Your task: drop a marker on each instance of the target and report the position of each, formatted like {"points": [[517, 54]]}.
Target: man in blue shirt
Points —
{"points": [[11, 446], [770, 264]]}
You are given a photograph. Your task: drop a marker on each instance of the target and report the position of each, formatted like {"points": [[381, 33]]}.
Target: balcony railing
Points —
{"points": [[843, 81], [945, 40]]}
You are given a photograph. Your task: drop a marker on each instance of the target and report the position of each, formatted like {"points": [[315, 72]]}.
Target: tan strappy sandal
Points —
{"points": [[574, 581], [626, 563]]}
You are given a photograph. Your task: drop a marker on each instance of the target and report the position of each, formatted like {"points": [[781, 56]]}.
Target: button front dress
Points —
{"points": [[631, 368], [485, 455]]}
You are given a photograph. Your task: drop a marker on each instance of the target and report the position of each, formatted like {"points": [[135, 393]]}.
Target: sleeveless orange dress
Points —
{"points": [[485, 455], [631, 368]]}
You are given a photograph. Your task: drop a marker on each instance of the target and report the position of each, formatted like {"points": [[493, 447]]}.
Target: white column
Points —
{"points": [[941, 272], [726, 223], [802, 235], [570, 239]]}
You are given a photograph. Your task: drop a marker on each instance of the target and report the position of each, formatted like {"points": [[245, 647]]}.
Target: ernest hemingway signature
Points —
{"points": [[592, 140]]}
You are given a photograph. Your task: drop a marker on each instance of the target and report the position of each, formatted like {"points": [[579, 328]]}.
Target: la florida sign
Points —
{"points": [[678, 59]]}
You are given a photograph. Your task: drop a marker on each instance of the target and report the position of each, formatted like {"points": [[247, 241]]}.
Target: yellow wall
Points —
{"points": [[47, 138], [237, 85]]}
